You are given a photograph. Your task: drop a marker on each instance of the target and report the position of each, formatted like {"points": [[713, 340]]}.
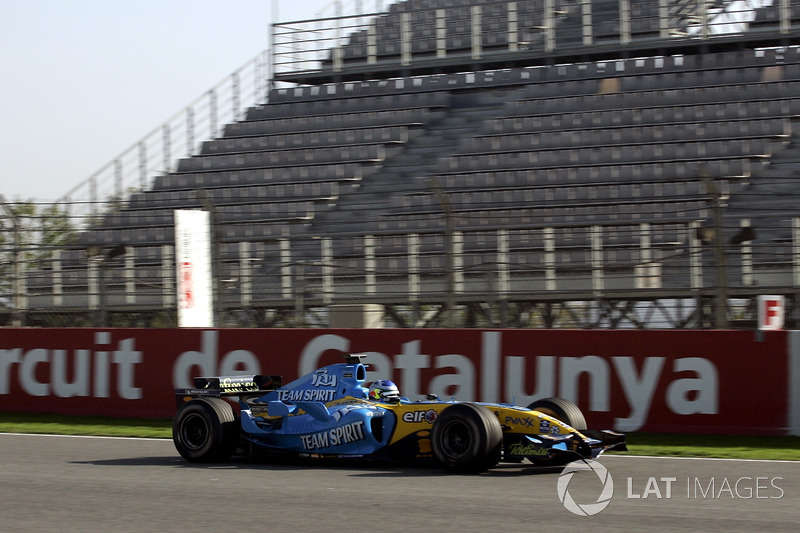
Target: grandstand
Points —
{"points": [[541, 163]]}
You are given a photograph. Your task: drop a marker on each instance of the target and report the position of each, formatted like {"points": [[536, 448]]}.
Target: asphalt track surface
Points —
{"points": [[51, 483]]}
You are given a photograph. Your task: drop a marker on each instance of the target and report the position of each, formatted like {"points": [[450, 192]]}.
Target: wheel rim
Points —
{"points": [[194, 431], [456, 439]]}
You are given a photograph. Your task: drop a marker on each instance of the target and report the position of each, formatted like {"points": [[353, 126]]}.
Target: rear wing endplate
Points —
{"points": [[218, 386]]}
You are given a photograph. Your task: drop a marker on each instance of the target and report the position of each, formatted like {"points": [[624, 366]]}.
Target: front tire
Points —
{"points": [[562, 410], [467, 438], [205, 430]]}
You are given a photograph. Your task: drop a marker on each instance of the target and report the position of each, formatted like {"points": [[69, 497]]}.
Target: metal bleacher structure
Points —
{"points": [[541, 163]]}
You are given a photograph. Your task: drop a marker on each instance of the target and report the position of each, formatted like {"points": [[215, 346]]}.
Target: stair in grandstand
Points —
{"points": [[757, 205], [410, 170], [771, 188], [683, 13]]}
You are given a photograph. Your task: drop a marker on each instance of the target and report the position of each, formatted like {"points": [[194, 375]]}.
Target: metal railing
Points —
{"points": [[409, 37], [177, 137], [46, 283], [181, 135]]}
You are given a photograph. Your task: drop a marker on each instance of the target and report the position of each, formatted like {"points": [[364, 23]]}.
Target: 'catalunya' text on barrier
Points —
{"points": [[706, 381]]}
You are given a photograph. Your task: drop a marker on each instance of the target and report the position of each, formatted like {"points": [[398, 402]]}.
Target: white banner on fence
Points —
{"points": [[193, 268], [770, 312]]}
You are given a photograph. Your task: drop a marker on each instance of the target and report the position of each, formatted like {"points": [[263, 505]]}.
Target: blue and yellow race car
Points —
{"points": [[329, 413]]}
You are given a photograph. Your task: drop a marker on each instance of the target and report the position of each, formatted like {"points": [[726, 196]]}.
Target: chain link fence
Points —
{"points": [[644, 275]]}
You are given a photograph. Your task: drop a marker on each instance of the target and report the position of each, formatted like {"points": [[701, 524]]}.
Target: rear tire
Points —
{"points": [[467, 438], [205, 430], [562, 410]]}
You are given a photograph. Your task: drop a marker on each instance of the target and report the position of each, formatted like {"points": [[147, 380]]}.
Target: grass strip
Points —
{"points": [[657, 444], [85, 425], [718, 446]]}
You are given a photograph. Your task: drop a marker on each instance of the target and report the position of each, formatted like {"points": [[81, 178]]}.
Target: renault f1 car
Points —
{"points": [[328, 414]]}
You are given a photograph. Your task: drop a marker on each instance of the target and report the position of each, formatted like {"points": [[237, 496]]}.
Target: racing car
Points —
{"points": [[329, 413]]}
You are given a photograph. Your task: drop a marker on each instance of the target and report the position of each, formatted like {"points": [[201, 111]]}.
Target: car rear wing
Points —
{"points": [[220, 386]]}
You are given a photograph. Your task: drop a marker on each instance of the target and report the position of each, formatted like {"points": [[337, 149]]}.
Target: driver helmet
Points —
{"points": [[384, 391]]}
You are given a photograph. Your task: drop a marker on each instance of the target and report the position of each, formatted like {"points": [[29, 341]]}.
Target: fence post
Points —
{"points": [[212, 113], [142, 165], [189, 130], [17, 317], [166, 148], [235, 95]]}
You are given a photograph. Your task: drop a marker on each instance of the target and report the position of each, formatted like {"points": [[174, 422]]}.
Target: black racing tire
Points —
{"points": [[205, 430], [562, 410], [467, 438]]}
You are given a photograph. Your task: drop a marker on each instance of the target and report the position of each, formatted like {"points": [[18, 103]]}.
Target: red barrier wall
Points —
{"points": [[686, 381]]}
